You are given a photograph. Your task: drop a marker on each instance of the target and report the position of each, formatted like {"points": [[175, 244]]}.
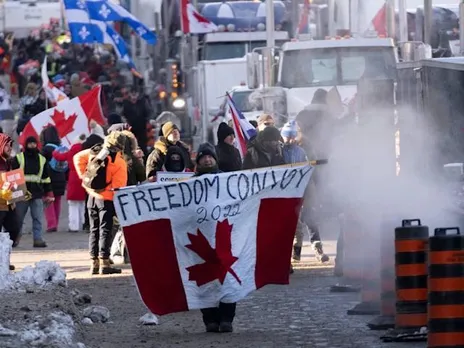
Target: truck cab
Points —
{"points": [[241, 28], [306, 66]]}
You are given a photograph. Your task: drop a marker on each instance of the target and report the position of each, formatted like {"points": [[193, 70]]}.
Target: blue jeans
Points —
{"points": [[37, 212]]}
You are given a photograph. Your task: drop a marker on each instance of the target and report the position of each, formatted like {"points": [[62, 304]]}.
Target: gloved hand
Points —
{"points": [[6, 194], [47, 200], [27, 196]]}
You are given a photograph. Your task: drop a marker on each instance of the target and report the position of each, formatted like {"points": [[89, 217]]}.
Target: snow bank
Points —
{"points": [[5, 251], [53, 331], [41, 275], [44, 273]]}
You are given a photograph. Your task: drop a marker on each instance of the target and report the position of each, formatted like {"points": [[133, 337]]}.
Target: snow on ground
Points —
{"points": [[23, 291], [43, 274]]}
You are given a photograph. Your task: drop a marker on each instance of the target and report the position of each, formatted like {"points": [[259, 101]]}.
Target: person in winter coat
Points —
{"points": [[50, 140], [8, 216], [216, 319], [229, 158], [36, 174], [134, 160], [171, 137], [175, 160], [265, 151], [293, 153], [75, 193], [136, 110], [100, 204], [97, 135]]}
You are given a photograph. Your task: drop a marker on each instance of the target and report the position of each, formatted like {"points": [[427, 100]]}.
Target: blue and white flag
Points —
{"points": [[105, 11], [81, 28], [87, 30]]}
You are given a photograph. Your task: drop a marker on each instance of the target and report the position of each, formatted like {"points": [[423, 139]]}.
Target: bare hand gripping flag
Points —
{"points": [[212, 238]]}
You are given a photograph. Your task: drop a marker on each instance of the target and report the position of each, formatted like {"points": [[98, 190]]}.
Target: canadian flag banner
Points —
{"points": [[53, 93], [71, 118], [193, 22], [213, 238]]}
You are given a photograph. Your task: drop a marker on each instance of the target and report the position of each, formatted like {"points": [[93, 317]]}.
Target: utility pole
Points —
{"points": [[270, 43], [354, 16], [391, 18], [461, 28], [402, 21], [427, 22], [331, 14]]}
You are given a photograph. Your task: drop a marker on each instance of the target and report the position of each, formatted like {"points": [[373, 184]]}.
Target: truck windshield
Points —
{"points": [[228, 50], [223, 50], [241, 101], [336, 66]]}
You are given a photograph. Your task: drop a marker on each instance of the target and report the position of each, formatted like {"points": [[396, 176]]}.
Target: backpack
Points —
{"points": [[95, 173], [58, 166]]}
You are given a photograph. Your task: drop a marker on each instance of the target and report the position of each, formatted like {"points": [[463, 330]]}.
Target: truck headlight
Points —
{"points": [[178, 103]]}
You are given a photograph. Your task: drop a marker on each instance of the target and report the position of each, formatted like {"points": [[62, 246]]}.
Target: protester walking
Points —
{"points": [[36, 175], [51, 142], [229, 158], [171, 137], [293, 153], [265, 151], [75, 193], [100, 177], [8, 215], [220, 318]]}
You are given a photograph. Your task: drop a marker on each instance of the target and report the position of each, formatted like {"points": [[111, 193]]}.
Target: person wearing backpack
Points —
{"points": [[75, 193], [102, 169], [50, 140]]}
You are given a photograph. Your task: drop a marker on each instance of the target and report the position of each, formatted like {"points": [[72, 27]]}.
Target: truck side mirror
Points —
{"points": [[252, 70]]}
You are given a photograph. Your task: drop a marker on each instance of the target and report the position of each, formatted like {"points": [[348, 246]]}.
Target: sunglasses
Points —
{"points": [[268, 123]]}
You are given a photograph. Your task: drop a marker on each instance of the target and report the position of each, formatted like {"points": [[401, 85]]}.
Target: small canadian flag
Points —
{"points": [[54, 94], [193, 22]]}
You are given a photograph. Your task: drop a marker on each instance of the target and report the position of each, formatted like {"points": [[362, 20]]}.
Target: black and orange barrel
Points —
{"points": [[446, 289], [411, 274]]}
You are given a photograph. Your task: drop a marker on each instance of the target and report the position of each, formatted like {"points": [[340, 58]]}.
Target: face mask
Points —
{"points": [[175, 166]]}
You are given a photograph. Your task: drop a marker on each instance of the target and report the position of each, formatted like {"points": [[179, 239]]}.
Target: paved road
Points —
{"points": [[303, 314]]}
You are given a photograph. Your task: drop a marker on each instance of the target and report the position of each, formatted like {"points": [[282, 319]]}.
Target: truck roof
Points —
{"points": [[357, 42], [243, 36]]}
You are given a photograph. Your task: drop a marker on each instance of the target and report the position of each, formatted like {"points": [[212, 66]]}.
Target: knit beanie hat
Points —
{"points": [[289, 130], [114, 118], [224, 131], [269, 134], [206, 149], [168, 128]]}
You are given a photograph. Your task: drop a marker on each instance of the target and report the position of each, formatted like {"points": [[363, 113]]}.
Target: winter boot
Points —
{"points": [[212, 327], [105, 267], [296, 253], [39, 243], [12, 268], [226, 327], [95, 266], [320, 256]]}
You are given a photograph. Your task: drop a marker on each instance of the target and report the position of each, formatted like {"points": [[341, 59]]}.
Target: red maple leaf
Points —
{"points": [[218, 261], [63, 125]]}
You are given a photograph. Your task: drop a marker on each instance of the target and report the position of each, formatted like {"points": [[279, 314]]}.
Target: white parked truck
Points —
{"points": [[306, 66]]}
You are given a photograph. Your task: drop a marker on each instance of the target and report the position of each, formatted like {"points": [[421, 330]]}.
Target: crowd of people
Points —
{"points": [[122, 153]]}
